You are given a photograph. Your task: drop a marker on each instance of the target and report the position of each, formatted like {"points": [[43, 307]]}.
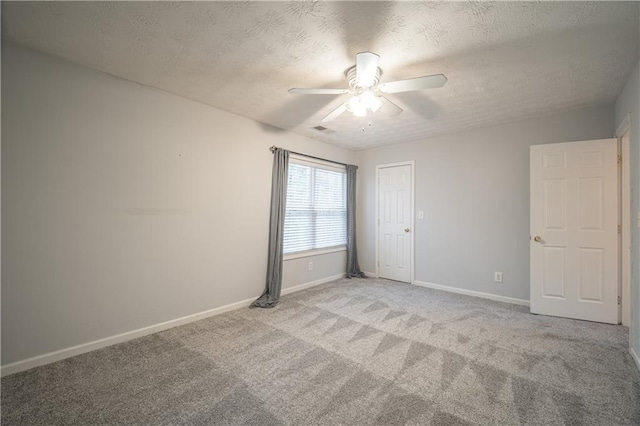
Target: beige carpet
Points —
{"points": [[348, 352]]}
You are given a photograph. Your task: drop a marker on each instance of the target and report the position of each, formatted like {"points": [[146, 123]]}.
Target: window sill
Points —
{"points": [[313, 253]]}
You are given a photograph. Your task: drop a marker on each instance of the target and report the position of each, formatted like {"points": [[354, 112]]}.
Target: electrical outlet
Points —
{"points": [[311, 266], [497, 277]]}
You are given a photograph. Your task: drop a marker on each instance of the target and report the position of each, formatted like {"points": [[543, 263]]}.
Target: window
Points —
{"points": [[316, 211]]}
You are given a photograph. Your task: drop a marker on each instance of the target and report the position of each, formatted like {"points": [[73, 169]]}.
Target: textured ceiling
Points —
{"points": [[505, 61]]}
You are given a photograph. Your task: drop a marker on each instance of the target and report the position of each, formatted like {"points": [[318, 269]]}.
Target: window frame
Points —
{"points": [[316, 163]]}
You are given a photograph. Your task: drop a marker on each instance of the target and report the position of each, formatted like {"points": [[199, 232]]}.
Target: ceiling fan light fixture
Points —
{"points": [[356, 106], [370, 101], [353, 103], [360, 103]]}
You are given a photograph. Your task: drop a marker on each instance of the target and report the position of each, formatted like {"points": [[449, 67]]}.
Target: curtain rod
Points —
{"points": [[273, 148]]}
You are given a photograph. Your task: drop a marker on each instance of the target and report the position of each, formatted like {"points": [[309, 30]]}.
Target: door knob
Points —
{"points": [[537, 239], [406, 229]]}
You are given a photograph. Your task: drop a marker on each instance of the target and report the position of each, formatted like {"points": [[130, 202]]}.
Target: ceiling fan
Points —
{"points": [[364, 79]]}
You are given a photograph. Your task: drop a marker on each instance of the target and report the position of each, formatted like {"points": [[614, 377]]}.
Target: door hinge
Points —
{"points": [[619, 300], [619, 159], [619, 229]]}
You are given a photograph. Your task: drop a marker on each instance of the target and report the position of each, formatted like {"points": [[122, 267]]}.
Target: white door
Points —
{"points": [[574, 230], [395, 253]]}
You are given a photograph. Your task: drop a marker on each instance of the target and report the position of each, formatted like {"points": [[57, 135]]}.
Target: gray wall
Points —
{"points": [[629, 103], [474, 190], [124, 207]]}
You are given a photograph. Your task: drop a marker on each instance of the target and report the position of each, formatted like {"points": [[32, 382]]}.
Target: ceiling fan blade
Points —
{"points": [[366, 68], [389, 108], [335, 113], [318, 91], [419, 83]]}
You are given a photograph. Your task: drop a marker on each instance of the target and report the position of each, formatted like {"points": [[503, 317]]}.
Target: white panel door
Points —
{"points": [[574, 230], [394, 217]]}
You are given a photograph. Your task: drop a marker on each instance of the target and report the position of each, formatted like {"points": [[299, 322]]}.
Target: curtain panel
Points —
{"points": [[353, 268], [273, 286]]}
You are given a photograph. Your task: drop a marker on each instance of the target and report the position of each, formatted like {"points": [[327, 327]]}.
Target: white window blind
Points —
{"points": [[316, 211]]}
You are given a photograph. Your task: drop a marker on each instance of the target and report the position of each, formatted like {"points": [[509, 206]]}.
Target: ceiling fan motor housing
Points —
{"points": [[351, 79]]}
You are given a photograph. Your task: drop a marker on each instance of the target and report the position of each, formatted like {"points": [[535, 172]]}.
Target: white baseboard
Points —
{"points": [[635, 357], [36, 361], [370, 274], [472, 293]]}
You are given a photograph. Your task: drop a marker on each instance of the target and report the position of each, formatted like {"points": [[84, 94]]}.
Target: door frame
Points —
{"points": [[624, 217], [412, 258]]}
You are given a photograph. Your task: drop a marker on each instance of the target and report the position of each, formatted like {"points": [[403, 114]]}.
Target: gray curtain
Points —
{"points": [[353, 269], [279, 177]]}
